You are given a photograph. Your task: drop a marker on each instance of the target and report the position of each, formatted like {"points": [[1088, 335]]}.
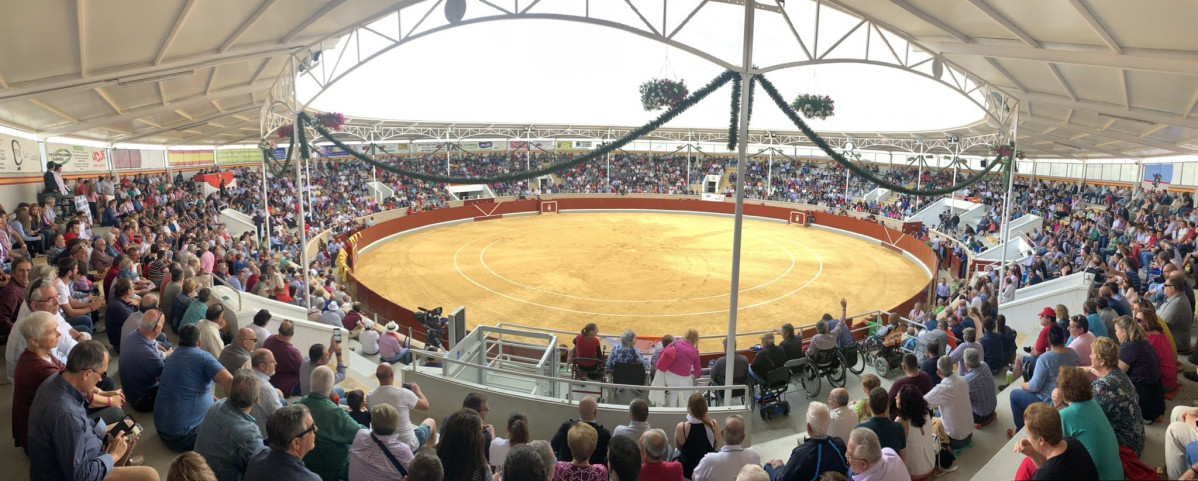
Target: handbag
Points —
{"points": [[390, 457]]}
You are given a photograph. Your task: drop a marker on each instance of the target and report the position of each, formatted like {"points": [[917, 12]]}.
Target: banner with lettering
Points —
{"points": [[20, 155], [238, 156], [185, 158], [584, 144], [77, 158], [565, 145]]}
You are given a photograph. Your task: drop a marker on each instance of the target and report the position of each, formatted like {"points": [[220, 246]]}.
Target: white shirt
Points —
{"points": [[725, 464], [843, 422], [370, 341], [210, 338], [402, 400], [952, 395]]}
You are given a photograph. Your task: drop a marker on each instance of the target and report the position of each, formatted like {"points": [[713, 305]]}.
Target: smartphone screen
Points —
{"points": [[336, 335]]}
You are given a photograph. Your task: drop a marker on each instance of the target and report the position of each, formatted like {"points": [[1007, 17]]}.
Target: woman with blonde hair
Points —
{"points": [[696, 436], [582, 439], [190, 466], [1139, 360]]}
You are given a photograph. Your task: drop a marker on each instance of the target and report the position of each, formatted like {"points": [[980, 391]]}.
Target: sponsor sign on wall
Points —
{"points": [[239, 156], [428, 148], [565, 145], [77, 158], [19, 155], [1157, 175], [183, 158], [469, 146], [491, 146], [584, 144]]}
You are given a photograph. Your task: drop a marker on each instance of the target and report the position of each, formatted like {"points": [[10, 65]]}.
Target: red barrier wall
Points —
{"points": [[390, 310]]}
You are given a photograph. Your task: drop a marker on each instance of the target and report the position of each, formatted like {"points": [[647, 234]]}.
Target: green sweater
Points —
{"points": [[335, 432]]}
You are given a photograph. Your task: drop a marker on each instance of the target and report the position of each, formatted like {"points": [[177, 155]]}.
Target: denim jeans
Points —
{"points": [[179, 444], [404, 356], [1020, 400], [81, 323]]}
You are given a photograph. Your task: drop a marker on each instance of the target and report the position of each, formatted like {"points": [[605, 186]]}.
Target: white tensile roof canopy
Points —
{"points": [[1090, 78]]}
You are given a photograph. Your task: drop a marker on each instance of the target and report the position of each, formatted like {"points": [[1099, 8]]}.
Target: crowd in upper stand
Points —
{"points": [[69, 279]]}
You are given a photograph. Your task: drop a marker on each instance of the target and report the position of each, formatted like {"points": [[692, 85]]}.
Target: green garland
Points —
{"points": [[304, 119], [734, 125], [269, 160], [823, 145]]}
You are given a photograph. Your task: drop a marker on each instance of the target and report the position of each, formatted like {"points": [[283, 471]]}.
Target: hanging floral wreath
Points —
{"points": [[285, 131], [331, 120], [1005, 151], [267, 145], [659, 93], [814, 106]]}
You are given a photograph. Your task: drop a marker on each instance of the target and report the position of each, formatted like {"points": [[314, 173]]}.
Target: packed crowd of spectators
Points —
{"points": [[167, 248]]}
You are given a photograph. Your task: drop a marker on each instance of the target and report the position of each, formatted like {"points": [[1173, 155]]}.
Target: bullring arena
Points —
{"points": [[653, 272]]}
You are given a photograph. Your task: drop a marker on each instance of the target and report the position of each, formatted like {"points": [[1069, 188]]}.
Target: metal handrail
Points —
{"points": [[439, 357], [711, 337], [218, 280]]}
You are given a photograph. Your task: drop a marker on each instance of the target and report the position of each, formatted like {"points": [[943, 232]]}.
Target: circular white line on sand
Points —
{"points": [[544, 291], [818, 272]]}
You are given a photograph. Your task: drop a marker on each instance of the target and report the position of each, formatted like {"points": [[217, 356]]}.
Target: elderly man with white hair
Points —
{"points": [[871, 462], [654, 464], [335, 429], [952, 395], [817, 455], [725, 463], [983, 397]]}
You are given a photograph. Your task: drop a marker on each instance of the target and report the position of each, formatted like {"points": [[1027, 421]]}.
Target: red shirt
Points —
{"points": [[286, 376], [110, 277], [664, 471], [586, 347], [31, 371], [1042, 339]]}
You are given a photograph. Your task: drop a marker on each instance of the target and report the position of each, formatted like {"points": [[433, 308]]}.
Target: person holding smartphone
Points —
{"points": [[63, 442]]}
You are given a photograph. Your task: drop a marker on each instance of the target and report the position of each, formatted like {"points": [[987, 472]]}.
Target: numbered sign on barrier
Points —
{"points": [[798, 217]]}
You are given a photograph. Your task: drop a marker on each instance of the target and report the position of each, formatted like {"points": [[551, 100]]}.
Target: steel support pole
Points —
{"points": [[1006, 211], [266, 218], [733, 296], [919, 176], [299, 185]]}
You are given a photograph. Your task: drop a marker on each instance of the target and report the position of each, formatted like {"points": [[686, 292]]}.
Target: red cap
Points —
{"points": [[1048, 312]]}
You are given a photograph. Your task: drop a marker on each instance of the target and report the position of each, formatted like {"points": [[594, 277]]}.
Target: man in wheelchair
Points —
{"points": [[770, 357], [826, 339]]}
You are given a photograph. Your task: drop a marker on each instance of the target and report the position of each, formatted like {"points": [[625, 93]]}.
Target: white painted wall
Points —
{"points": [[1023, 313], [237, 222]]}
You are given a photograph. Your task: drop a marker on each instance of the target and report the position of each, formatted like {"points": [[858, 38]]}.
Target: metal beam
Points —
{"points": [[1099, 28], [1131, 59], [324, 10], [186, 125], [1004, 22], [1150, 116], [170, 37], [152, 110], [1007, 75], [913, 10], [106, 77], [81, 34], [54, 111], [245, 26], [1056, 72], [108, 100], [1107, 134]]}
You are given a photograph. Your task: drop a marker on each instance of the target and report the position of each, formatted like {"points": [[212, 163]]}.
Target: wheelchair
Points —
{"points": [[827, 363], [884, 358], [769, 393], [852, 358]]}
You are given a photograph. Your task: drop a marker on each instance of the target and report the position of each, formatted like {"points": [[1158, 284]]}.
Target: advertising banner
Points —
{"points": [[584, 144], [517, 145], [77, 158], [491, 146], [184, 158], [469, 146], [332, 151], [565, 145], [238, 156], [1157, 176], [428, 148], [19, 155]]}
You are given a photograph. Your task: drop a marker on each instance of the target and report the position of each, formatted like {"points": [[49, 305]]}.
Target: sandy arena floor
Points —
{"points": [[653, 273]]}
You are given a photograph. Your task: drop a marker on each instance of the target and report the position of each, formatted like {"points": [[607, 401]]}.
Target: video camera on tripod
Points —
{"points": [[431, 318]]}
